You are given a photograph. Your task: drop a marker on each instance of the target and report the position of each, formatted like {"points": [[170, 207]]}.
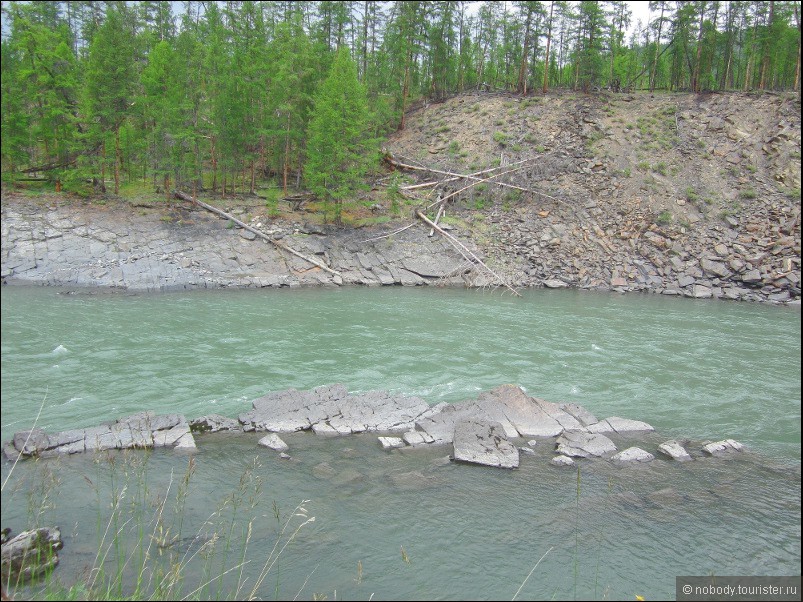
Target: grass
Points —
{"points": [[147, 547], [501, 138]]}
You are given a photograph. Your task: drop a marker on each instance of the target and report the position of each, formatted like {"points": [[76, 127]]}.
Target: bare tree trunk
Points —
{"points": [[548, 42], [657, 45], [695, 84], [406, 88], [522, 87], [797, 67], [117, 160], [765, 63]]}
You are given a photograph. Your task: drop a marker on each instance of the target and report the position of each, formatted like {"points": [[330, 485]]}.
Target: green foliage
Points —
{"points": [[664, 218], [501, 138], [339, 151], [225, 94]]}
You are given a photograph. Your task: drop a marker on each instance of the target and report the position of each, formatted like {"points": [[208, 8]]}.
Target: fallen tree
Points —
{"points": [[465, 251], [186, 197]]}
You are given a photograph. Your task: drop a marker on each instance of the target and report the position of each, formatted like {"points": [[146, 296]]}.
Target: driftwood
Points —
{"points": [[465, 251], [185, 197]]}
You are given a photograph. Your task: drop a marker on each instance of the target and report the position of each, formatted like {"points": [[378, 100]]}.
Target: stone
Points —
{"points": [[722, 447], [582, 415], [562, 461], [583, 445], [29, 555], [483, 442], [213, 423], [273, 441], [527, 416], [715, 268], [614, 424], [170, 437], [31, 442], [632, 454], [330, 409], [674, 450], [391, 442], [417, 438]]}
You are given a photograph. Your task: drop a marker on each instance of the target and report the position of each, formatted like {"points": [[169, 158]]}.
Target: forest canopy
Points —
{"points": [[219, 94]]}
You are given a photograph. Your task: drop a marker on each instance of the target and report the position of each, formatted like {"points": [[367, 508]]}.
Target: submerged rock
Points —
{"points": [[484, 442], [563, 461], [273, 441], [722, 447], [391, 442], [632, 454]]}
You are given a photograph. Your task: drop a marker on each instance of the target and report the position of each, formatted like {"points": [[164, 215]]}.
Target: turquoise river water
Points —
{"points": [[408, 524]]}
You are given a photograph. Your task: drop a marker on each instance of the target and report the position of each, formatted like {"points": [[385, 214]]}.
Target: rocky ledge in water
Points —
{"points": [[481, 431], [142, 430]]}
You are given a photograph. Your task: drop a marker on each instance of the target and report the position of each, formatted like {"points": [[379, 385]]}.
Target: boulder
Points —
{"points": [[273, 441], [583, 445], [632, 454], [483, 442], [675, 450], [29, 554]]}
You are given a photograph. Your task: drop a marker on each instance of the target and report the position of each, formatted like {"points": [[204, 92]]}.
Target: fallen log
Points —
{"points": [[185, 197], [464, 250], [456, 176]]}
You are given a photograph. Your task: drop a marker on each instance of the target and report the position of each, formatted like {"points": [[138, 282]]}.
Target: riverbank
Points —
{"points": [[61, 241]]}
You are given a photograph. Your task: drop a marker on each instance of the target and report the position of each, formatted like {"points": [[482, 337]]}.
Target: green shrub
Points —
{"points": [[664, 218]]}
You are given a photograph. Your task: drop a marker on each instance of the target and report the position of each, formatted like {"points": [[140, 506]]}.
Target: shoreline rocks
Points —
{"points": [[114, 248], [481, 430]]}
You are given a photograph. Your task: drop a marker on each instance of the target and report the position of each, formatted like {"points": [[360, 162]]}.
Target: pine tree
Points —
{"points": [[337, 145]]}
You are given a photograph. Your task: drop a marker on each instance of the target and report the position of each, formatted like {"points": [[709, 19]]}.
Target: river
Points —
{"points": [[409, 524]]}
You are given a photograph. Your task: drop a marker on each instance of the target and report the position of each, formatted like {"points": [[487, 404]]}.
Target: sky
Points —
{"points": [[640, 11]]}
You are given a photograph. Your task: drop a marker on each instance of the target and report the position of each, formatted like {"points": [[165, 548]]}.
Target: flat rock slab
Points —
{"points": [[621, 426], [331, 409], [482, 442], [213, 423], [580, 444], [142, 430], [391, 442]]}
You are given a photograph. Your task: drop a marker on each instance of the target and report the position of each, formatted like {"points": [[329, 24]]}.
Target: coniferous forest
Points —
{"points": [[218, 95]]}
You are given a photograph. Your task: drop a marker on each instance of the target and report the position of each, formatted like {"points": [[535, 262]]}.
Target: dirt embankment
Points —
{"points": [[695, 195], [678, 194]]}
